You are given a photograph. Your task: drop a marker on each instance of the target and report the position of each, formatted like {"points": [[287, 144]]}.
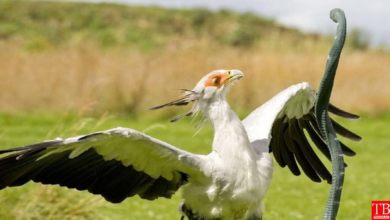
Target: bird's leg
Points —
{"points": [[254, 217], [187, 212]]}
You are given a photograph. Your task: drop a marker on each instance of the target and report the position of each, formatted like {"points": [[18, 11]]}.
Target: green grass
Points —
{"points": [[39, 26], [289, 197]]}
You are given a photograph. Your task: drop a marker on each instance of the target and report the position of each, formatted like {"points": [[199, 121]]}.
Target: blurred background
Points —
{"points": [[68, 68]]}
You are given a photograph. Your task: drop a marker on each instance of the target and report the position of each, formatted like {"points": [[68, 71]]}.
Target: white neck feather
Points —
{"points": [[231, 141]]}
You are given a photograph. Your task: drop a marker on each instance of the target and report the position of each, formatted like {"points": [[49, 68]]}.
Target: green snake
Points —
{"points": [[323, 120]]}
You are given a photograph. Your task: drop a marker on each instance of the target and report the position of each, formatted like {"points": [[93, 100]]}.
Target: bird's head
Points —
{"points": [[210, 88]]}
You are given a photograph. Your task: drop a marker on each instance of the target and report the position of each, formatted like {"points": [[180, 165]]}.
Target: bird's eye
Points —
{"points": [[216, 80]]}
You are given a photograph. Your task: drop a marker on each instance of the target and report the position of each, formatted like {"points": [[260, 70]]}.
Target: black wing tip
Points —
{"points": [[7, 151], [341, 113], [314, 178], [31, 147], [346, 150], [339, 129], [356, 138], [295, 172], [354, 117], [350, 154]]}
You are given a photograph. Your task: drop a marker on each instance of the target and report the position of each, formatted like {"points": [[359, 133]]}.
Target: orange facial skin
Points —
{"points": [[217, 80]]}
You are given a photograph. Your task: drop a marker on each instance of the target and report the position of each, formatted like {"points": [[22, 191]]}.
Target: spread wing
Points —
{"points": [[116, 164], [278, 126]]}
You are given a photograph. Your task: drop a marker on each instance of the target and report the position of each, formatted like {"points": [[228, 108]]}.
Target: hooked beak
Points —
{"points": [[233, 75]]}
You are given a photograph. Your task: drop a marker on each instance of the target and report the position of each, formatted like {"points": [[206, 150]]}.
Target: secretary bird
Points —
{"points": [[228, 183]]}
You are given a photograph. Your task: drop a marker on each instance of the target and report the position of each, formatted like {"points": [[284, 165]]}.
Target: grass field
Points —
{"points": [[95, 81], [289, 197]]}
